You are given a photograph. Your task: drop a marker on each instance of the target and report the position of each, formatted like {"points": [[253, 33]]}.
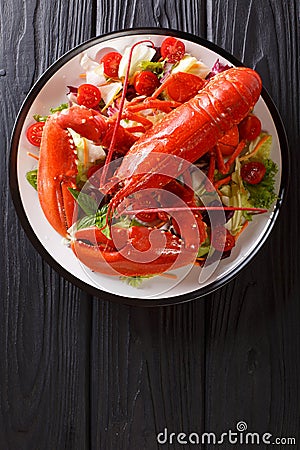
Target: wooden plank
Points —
{"points": [[44, 333], [147, 365], [147, 373], [177, 14], [253, 340]]}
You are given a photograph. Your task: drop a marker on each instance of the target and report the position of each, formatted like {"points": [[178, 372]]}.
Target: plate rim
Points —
{"points": [[14, 184]]}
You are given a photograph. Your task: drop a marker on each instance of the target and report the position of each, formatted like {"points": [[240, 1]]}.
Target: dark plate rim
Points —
{"points": [[14, 185]]}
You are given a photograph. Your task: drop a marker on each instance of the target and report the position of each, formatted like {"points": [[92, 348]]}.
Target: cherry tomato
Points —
{"points": [[146, 217], [111, 62], [250, 128], [184, 86], [172, 49], [222, 240], [145, 83], [253, 172], [34, 133], [88, 95], [93, 174], [145, 201]]}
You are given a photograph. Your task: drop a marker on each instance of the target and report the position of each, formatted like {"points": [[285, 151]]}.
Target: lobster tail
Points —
{"points": [[230, 97]]}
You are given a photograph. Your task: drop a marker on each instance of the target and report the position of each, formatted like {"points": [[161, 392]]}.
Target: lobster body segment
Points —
{"points": [[192, 129]]}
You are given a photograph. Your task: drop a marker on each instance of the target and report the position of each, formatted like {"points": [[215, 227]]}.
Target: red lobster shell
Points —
{"points": [[188, 132]]}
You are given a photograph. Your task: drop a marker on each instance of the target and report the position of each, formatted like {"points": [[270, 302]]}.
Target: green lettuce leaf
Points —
{"points": [[262, 195], [59, 108], [135, 281], [204, 248], [155, 67], [264, 150]]}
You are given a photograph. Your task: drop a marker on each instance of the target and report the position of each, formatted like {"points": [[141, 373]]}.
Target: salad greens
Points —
{"points": [[135, 282], [262, 195], [31, 177], [155, 67], [40, 118]]}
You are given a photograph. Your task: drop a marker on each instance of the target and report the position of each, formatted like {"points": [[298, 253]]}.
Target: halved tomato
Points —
{"points": [[111, 62], [172, 49], [34, 133], [88, 95]]}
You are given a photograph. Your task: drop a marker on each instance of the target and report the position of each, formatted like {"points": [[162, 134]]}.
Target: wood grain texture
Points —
{"points": [[45, 321], [80, 373], [178, 14], [147, 374], [253, 340]]}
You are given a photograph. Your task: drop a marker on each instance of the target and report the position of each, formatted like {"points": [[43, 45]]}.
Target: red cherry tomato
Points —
{"points": [[111, 62], [253, 172], [146, 217], [145, 83], [172, 49], [183, 86], [88, 95], [222, 240], [250, 128], [144, 201], [34, 133]]}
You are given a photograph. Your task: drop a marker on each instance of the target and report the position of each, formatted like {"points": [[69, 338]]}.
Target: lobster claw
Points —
{"points": [[57, 168], [138, 251], [56, 173]]}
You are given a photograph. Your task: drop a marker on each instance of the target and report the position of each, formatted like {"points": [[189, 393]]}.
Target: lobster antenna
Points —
{"points": [[110, 210], [196, 208], [119, 116]]}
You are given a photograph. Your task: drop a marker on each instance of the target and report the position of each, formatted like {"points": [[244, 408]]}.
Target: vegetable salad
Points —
{"points": [[172, 75]]}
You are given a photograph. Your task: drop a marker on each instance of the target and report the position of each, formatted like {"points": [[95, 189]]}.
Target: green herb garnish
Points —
{"points": [[59, 108], [31, 177], [86, 202], [40, 118], [135, 281]]}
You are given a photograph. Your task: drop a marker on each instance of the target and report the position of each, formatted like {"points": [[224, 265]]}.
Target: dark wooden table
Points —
{"points": [[80, 373]]}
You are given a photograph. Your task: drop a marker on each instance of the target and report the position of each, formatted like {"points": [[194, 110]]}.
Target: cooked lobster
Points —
{"points": [[152, 162]]}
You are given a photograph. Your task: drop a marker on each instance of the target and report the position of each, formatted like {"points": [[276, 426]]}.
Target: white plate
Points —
{"points": [[50, 91]]}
